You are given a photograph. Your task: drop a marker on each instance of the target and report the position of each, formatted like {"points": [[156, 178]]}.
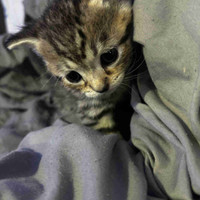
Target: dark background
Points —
{"points": [[2, 22]]}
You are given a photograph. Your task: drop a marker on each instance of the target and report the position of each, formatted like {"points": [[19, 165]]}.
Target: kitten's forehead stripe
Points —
{"points": [[94, 48], [62, 42], [69, 58], [76, 4], [78, 21], [81, 34], [83, 49], [103, 37], [55, 45]]}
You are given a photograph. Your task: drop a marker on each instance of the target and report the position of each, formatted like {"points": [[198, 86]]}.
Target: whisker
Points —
{"points": [[128, 87], [136, 60], [41, 76], [135, 76], [57, 80], [47, 82], [125, 88], [141, 56], [136, 67], [131, 69]]}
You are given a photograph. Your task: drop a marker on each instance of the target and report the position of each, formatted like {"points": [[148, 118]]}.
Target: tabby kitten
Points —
{"points": [[88, 45]]}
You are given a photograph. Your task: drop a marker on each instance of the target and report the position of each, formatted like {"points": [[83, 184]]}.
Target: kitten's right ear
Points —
{"points": [[26, 36]]}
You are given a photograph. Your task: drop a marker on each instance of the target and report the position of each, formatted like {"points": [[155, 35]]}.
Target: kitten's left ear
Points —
{"points": [[25, 36]]}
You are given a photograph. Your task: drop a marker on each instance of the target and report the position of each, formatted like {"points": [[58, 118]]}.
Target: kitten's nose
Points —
{"points": [[98, 82], [104, 89]]}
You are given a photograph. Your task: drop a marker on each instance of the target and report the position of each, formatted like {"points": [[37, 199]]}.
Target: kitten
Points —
{"points": [[88, 45]]}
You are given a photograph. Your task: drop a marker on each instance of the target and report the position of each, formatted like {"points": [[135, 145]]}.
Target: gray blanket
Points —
{"points": [[42, 157]]}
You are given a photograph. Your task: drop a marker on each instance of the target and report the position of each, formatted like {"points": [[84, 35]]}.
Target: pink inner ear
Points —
{"points": [[28, 35], [15, 41]]}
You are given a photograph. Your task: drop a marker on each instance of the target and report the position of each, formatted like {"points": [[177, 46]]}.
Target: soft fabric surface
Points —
{"points": [[14, 15], [44, 158]]}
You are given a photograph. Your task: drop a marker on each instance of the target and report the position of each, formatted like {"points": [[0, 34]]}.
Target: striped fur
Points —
{"points": [[71, 36]]}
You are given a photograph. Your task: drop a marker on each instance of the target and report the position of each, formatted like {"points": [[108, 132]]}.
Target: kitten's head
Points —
{"points": [[87, 43]]}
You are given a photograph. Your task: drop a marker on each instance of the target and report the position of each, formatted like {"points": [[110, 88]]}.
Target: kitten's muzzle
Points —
{"points": [[99, 84], [101, 90], [104, 89]]}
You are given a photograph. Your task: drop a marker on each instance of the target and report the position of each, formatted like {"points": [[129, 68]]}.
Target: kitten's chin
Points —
{"points": [[93, 95]]}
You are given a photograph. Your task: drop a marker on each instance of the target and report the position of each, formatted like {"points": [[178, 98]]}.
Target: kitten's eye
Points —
{"points": [[73, 77], [109, 57]]}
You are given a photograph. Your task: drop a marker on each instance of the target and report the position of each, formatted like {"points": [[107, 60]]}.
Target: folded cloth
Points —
{"points": [[14, 15], [166, 128], [71, 162]]}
